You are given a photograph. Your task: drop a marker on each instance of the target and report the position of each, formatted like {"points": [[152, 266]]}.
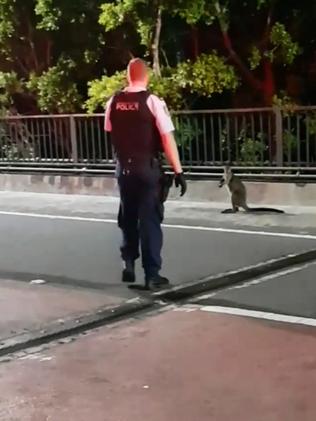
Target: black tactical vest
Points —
{"points": [[134, 132]]}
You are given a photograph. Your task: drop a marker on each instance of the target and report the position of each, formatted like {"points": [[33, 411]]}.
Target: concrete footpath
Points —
{"points": [[183, 364], [298, 217], [30, 307]]}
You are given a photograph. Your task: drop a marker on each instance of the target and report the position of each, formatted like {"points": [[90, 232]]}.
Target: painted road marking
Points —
{"points": [[258, 280], [284, 318], [171, 226], [275, 275]]}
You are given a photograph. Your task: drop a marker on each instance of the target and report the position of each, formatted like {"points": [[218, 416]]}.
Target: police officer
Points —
{"points": [[140, 129]]}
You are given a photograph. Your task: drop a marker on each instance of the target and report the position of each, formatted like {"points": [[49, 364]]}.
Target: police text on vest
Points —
{"points": [[127, 106]]}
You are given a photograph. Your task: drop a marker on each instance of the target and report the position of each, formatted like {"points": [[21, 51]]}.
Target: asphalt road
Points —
{"points": [[73, 242], [87, 253], [290, 292]]}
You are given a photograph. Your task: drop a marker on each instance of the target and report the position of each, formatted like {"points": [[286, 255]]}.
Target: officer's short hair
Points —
{"points": [[137, 69]]}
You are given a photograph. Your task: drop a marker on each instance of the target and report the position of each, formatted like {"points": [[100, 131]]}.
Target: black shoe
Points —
{"points": [[128, 274], [157, 282]]}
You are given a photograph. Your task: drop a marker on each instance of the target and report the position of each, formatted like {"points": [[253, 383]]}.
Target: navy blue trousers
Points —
{"points": [[140, 216]]}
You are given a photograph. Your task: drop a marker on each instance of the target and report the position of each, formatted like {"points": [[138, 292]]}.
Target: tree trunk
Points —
{"points": [[268, 84], [156, 43], [195, 42], [245, 71]]}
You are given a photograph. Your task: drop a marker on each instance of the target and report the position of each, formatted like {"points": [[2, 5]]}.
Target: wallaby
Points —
{"points": [[238, 193]]}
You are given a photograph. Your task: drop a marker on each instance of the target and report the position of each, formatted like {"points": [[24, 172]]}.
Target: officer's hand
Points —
{"points": [[179, 180]]}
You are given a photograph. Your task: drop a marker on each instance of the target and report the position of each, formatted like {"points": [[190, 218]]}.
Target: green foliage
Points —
{"points": [[251, 151], [283, 43], [208, 75], [6, 22], [101, 90], [20, 146], [283, 101], [9, 85], [35, 33], [137, 12], [166, 87], [185, 132], [194, 11], [15, 151], [261, 3], [114, 14], [144, 29], [289, 143], [312, 125], [49, 15], [55, 90], [283, 48], [255, 58]]}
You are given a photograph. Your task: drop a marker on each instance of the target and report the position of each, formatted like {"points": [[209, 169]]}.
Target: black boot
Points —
{"points": [[128, 274], [157, 282]]}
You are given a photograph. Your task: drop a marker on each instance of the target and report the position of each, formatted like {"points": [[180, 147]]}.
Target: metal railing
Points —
{"points": [[260, 137]]}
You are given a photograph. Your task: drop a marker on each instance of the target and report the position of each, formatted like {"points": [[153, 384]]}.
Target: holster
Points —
{"points": [[165, 183]]}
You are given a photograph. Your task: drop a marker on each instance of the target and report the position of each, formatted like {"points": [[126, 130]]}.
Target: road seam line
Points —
{"points": [[198, 287], [259, 280]]}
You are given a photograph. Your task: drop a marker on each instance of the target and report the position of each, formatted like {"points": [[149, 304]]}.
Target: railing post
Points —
{"points": [[278, 135], [73, 139]]}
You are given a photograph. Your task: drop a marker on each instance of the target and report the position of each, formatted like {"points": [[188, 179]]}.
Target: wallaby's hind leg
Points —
{"points": [[233, 209]]}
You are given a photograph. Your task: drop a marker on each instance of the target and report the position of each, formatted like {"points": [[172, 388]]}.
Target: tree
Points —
{"points": [[278, 35], [209, 74], [49, 48], [275, 44], [145, 16], [256, 56], [54, 52], [275, 28]]}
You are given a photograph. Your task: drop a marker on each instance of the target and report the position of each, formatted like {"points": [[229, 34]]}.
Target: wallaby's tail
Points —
{"points": [[265, 210]]}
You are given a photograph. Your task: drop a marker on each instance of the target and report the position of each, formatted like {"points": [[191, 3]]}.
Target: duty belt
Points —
{"points": [[138, 161]]}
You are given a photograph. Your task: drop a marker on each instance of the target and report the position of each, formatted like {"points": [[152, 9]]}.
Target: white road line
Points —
{"points": [[274, 275], [62, 217], [260, 315], [257, 281], [240, 231], [171, 226]]}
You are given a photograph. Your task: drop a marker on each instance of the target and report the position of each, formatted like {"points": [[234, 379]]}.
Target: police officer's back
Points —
{"points": [[141, 128]]}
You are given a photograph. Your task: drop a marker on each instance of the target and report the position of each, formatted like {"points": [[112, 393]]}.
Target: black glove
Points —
{"points": [[179, 180]]}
